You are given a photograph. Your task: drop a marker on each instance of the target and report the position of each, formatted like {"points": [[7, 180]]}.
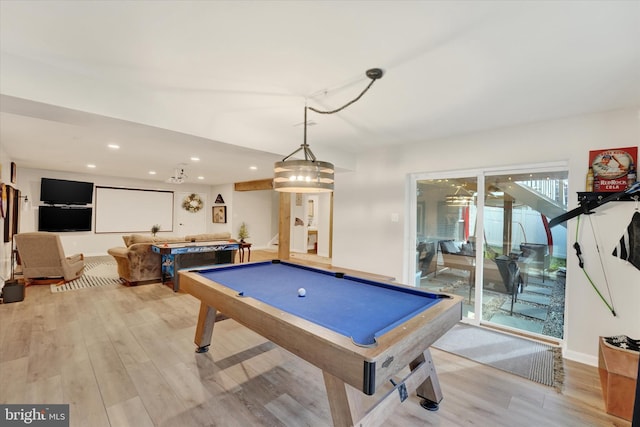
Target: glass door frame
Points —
{"points": [[479, 174]]}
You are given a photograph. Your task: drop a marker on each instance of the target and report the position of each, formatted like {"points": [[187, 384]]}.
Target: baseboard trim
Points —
{"points": [[583, 358]]}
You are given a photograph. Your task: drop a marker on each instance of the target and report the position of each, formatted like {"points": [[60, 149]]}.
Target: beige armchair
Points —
{"points": [[42, 257]]}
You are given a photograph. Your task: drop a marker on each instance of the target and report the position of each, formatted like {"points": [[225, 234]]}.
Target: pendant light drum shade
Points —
{"points": [[459, 200], [303, 176], [311, 175]]}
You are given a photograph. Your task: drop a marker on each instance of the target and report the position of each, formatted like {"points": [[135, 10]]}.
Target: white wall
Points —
{"points": [[88, 243], [366, 202], [323, 220], [254, 208], [298, 236]]}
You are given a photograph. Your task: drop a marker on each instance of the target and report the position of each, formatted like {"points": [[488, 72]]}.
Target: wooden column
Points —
{"points": [[506, 224], [284, 226]]}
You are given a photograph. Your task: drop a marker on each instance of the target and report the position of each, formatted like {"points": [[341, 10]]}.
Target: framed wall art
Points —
{"points": [[220, 214], [612, 170]]}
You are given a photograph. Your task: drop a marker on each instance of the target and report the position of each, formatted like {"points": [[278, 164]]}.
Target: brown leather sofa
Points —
{"points": [[138, 263]]}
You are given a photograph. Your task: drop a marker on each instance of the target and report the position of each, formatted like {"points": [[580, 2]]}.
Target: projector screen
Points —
{"points": [[130, 210]]}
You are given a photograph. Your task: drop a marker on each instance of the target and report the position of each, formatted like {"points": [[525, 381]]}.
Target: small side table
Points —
{"points": [[242, 246]]}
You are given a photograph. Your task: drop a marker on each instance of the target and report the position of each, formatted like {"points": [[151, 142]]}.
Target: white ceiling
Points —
{"points": [[227, 81]]}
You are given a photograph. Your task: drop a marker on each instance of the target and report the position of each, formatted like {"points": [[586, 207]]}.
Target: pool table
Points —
{"points": [[361, 333]]}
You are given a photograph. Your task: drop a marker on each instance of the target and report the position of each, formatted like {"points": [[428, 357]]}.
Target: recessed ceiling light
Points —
{"points": [[195, 159], [113, 146], [91, 165], [201, 177], [152, 172], [253, 168]]}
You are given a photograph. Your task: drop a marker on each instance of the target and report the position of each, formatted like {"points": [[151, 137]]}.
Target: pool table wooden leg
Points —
{"points": [[351, 407], [204, 327], [341, 401], [430, 388]]}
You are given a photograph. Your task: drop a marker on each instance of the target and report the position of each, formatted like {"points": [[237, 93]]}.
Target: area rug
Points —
{"points": [[533, 360], [98, 271]]}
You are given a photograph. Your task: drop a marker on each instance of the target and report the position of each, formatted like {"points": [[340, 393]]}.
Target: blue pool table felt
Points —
{"points": [[357, 308]]}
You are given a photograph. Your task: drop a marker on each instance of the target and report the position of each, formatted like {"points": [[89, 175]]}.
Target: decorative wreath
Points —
{"points": [[192, 203]]}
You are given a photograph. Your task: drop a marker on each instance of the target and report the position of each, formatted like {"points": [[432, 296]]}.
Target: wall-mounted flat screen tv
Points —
{"points": [[63, 219], [63, 192]]}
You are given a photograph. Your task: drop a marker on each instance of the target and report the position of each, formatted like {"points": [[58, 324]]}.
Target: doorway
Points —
{"points": [[312, 225]]}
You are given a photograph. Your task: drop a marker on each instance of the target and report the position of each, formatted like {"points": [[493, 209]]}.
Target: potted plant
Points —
{"points": [[243, 232], [154, 229]]}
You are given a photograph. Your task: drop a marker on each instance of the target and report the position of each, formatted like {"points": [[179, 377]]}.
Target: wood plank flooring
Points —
{"points": [[125, 357]]}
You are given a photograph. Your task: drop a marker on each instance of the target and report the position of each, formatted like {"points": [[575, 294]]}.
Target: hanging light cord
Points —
{"points": [[374, 74]]}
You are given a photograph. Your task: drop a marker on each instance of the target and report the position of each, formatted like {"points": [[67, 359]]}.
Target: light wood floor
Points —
{"points": [[125, 357]]}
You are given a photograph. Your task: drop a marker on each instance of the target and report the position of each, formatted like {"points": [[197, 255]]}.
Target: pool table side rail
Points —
{"points": [[401, 345], [326, 349], [332, 271]]}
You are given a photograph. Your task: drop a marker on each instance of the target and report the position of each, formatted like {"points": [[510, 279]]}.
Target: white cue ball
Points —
{"points": [[302, 292]]}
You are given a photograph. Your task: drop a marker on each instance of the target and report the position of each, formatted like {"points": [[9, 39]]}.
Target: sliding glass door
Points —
{"points": [[446, 241], [525, 260], [485, 236]]}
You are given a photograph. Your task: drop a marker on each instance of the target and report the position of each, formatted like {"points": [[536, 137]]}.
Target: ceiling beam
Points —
{"points": [[260, 184]]}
